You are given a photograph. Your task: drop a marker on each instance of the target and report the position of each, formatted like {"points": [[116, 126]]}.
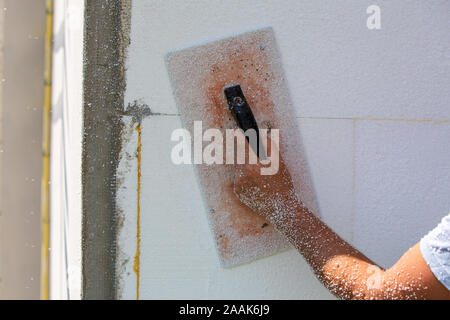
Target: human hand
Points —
{"points": [[272, 196]]}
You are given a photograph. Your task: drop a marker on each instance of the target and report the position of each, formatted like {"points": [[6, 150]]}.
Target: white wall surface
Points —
{"points": [[66, 133], [373, 110]]}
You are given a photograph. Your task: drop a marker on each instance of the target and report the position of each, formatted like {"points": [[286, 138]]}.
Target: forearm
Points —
{"points": [[345, 271], [341, 268]]}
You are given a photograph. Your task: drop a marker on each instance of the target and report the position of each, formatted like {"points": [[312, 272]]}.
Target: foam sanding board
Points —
{"points": [[199, 75]]}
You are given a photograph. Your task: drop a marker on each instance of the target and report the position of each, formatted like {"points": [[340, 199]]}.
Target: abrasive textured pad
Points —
{"points": [[198, 76]]}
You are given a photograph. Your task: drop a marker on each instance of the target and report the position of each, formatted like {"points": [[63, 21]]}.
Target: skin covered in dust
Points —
{"points": [[345, 271]]}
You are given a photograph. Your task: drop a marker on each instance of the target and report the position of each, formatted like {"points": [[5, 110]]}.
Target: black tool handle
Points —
{"points": [[243, 115]]}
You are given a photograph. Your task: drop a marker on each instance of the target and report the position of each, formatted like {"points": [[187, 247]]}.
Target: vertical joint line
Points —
{"points": [[136, 266], [353, 179], [46, 127]]}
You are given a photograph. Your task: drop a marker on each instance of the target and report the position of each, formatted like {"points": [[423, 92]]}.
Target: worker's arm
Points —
{"points": [[345, 271]]}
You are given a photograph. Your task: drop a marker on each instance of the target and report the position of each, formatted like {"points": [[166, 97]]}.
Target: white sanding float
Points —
{"points": [[199, 76]]}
